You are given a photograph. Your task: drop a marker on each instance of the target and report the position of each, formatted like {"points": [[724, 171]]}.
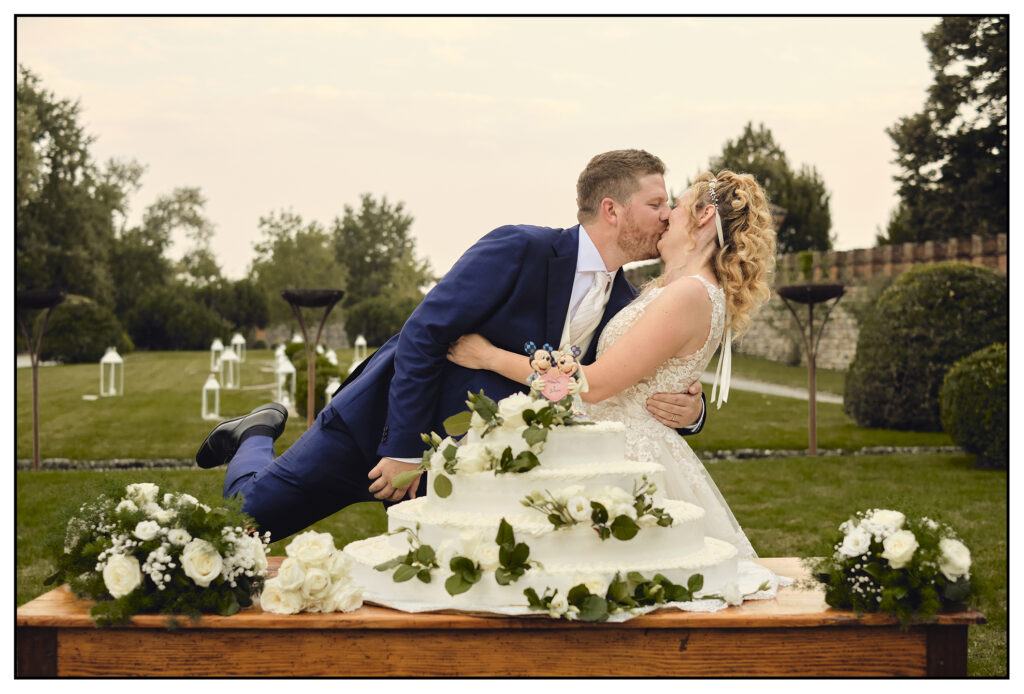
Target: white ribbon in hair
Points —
{"points": [[724, 370]]}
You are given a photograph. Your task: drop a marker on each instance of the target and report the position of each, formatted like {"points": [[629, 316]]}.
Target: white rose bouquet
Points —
{"points": [[147, 552], [882, 561], [315, 577]]}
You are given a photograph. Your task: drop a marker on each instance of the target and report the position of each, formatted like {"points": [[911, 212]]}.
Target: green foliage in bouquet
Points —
{"points": [[143, 553], [881, 561]]}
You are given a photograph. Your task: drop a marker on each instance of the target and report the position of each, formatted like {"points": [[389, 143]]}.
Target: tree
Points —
{"points": [[375, 246], [293, 255], [802, 194], [65, 205], [954, 154]]}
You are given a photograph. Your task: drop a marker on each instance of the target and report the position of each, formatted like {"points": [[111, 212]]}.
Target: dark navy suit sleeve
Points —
{"points": [[476, 286]]}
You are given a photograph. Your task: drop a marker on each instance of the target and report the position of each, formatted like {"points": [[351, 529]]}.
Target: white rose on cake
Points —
{"points": [[473, 457], [122, 575], [311, 548], [855, 543], [511, 410], [486, 555], [732, 594], [280, 600], [579, 508], [956, 559], [899, 548], [201, 562]]}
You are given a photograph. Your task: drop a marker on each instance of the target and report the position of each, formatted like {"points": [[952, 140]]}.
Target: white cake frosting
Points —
{"points": [[575, 465]]}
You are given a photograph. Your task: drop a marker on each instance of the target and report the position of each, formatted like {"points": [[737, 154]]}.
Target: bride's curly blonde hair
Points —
{"points": [[744, 265]]}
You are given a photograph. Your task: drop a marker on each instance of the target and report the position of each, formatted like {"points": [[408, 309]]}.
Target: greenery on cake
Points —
{"points": [[594, 602]]}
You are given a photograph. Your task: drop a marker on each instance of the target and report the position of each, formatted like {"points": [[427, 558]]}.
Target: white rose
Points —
{"points": [[345, 596], [178, 536], [595, 584], [201, 562], [316, 584], [558, 606], [122, 575], [477, 423], [579, 508], [469, 540], [146, 530], [291, 574], [620, 509], [899, 548], [259, 554], [732, 594], [127, 506], [311, 548], [280, 600], [473, 457], [855, 543], [511, 410], [486, 555], [956, 559], [618, 495], [142, 493], [566, 493], [339, 566], [883, 522], [446, 551], [162, 515]]}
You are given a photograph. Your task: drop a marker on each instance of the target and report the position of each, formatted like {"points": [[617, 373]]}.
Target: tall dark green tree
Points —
{"points": [[385, 277], [954, 154], [65, 205], [801, 193]]}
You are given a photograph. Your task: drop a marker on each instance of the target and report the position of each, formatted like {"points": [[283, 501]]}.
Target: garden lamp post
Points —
{"points": [[111, 373], [238, 344], [216, 349], [211, 398], [232, 369], [25, 302], [311, 298], [811, 294]]}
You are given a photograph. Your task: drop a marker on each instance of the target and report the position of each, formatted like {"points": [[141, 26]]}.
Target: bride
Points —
{"points": [[718, 252]]}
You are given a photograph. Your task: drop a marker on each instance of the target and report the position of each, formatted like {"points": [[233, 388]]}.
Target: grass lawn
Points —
{"points": [[158, 416], [787, 507], [760, 369]]}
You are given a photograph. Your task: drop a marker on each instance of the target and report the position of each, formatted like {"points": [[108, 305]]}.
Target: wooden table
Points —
{"points": [[795, 635]]}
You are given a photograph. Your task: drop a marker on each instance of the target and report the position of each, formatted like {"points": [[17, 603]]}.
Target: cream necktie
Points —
{"points": [[590, 311]]}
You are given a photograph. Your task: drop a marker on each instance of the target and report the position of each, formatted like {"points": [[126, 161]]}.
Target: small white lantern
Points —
{"points": [[319, 349], [215, 351], [232, 369], [211, 398], [285, 371], [360, 348], [332, 387], [297, 338], [111, 373], [238, 344], [279, 351], [332, 357]]}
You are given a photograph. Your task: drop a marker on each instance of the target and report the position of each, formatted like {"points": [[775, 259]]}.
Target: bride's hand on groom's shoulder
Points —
{"points": [[470, 351], [677, 410], [382, 474]]}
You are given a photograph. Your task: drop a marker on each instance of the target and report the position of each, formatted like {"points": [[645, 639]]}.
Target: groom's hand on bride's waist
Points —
{"points": [[382, 474], [677, 410]]}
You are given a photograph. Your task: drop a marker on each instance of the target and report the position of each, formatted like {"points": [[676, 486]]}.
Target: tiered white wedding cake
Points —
{"points": [[536, 510]]}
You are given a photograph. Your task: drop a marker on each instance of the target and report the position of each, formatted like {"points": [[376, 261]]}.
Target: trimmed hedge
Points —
{"points": [[324, 370], [975, 405], [920, 326], [80, 330]]}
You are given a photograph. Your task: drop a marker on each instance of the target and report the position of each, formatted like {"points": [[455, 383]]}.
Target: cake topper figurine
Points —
{"points": [[541, 362], [556, 374]]}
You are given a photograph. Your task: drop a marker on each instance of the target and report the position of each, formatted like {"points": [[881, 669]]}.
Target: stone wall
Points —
{"points": [[865, 272]]}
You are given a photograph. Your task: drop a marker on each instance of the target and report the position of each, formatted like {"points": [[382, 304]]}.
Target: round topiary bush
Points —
{"points": [[324, 371], [929, 318], [295, 350], [80, 330], [975, 405]]}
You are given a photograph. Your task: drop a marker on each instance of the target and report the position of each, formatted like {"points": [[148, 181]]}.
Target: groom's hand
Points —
{"points": [[382, 474], [677, 410]]}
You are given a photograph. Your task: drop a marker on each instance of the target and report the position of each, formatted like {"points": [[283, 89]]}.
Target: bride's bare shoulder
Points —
{"points": [[686, 293]]}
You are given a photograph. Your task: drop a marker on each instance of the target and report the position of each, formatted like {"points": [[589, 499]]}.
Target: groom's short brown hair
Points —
{"points": [[613, 175]]}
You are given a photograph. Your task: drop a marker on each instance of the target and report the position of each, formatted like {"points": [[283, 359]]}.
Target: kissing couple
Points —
{"points": [[642, 353]]}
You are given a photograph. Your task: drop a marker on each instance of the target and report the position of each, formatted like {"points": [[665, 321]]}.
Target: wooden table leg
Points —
{"points": [[947, 651], [36, 652]]}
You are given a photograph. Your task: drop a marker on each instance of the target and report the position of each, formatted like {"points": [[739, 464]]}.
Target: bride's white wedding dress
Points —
{"points": [[650, 441]]}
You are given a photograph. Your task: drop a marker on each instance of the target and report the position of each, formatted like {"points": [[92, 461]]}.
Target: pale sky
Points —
{"points": [[474, 122]]}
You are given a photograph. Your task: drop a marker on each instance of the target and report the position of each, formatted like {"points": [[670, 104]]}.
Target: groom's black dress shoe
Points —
{"points": [[223, 441]]}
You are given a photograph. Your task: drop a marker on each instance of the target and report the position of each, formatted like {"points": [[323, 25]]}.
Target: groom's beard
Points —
{"points": [[637, 243]]}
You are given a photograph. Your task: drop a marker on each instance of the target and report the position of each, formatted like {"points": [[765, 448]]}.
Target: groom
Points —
{"points": [[516, 284]]}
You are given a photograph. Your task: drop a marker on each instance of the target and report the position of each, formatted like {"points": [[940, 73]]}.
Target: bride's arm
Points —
{"points": [[676, 322]]}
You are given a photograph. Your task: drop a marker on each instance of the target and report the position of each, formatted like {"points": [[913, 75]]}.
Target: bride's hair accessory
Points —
{"points": [[724, 370]]}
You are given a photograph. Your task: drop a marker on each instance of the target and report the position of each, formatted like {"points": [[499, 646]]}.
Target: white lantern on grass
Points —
{"points": [[238, 344], [111, 373], [216, 349], [360, 354], [285, 371], [232, 370], [332, 357], [333, 383], [211, 398]]}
